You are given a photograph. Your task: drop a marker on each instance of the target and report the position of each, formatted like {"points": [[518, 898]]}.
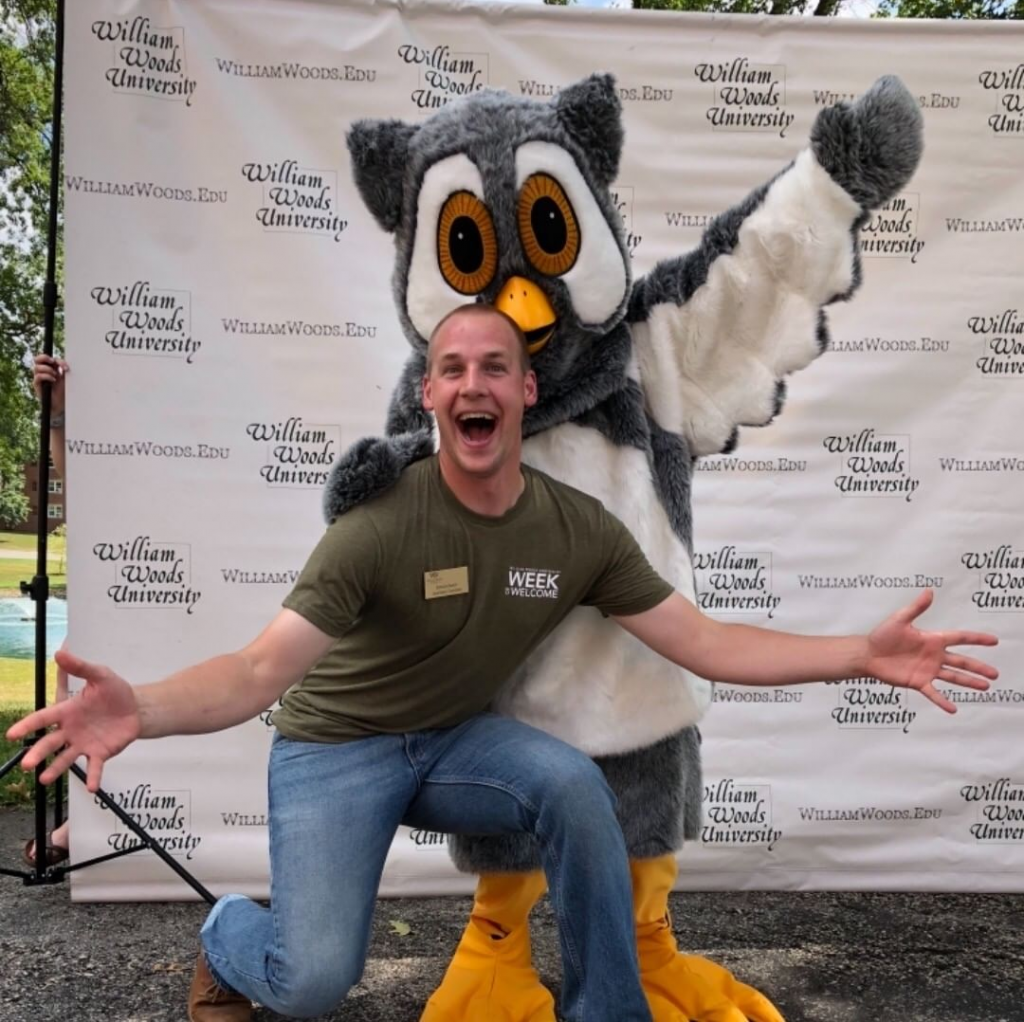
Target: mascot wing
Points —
{"points": [[716, 331], [372, 465]]}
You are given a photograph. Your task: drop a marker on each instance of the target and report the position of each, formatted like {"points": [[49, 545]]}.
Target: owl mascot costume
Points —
{"points": [[505, 200]]}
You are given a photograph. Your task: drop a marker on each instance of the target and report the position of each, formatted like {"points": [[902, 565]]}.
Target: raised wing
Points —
{"points": [[717, 331]]}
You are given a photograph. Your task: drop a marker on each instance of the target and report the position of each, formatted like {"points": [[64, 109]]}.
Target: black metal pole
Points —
{"points": [[50, 299], [145, 839], [39, 588]]}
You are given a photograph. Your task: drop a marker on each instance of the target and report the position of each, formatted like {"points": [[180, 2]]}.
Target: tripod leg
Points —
{"points": [[58, 802], [13, 761], [42, 872], [145, 839]]}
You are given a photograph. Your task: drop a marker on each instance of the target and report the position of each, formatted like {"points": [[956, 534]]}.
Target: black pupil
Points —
{"points": [[466, 245], [548, 225]]}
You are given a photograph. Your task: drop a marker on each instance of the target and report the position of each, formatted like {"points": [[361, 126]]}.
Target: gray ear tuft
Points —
{"points": [[591, 113], [380, 151]]}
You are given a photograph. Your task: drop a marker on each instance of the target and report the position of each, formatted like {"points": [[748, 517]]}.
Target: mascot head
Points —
{"points": [[505, 200]]}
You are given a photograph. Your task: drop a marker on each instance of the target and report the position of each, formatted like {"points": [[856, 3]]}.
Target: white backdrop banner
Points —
{"points": [[231, 330]]}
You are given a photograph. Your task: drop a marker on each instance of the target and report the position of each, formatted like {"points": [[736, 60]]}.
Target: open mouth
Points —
{"points": [[476, 427], [536, 339]]}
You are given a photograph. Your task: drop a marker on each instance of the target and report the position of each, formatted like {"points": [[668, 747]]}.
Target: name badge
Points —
{"points": [[449, 582]]}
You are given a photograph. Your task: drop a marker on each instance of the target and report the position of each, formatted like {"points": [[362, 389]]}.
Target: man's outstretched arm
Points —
{"points": [[895, 652], [108, 714]]}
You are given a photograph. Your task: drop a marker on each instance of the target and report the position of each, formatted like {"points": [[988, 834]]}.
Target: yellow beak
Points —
{"points": [[528, 306]]}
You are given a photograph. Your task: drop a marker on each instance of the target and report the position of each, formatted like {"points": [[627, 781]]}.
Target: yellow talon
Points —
{"points": [[681, 988], [491, 978]]}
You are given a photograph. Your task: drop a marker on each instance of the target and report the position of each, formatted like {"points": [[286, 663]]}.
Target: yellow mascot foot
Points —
{"points": [[491, 978], [692, 989], [684, 988]]}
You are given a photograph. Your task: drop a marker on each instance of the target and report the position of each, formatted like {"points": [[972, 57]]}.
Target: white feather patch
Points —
{"points": [[712, 364], [429, 297], [597, 281], [591, 683]]}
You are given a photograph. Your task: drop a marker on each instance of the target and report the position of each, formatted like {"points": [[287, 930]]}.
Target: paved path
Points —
{"points": [[822, 957]]}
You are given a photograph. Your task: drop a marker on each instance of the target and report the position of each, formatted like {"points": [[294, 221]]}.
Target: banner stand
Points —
{"points": [[39, 588]]}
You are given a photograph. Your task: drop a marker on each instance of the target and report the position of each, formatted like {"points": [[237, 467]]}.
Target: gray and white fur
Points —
{"points": [[639, 380]]}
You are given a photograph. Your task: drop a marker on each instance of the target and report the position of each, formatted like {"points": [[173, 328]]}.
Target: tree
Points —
{"points": [[997, 10], [13, 507], [818, 7], [27, 43], [991, 10]]}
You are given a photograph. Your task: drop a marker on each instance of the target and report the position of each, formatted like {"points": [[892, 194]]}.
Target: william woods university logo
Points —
{"points": [[1001, 334], [299, 455], [866, 703], [874, 465], [149, 575], [296, 199], [738, 814], [1000, 578], [444, 75], [747, 97], [148, 321], [165, 815], [1008, 86], [892, 230], [147, 60], [1000, 810], [734, 581]]}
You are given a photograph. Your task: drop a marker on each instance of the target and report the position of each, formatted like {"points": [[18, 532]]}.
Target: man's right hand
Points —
{"points": [[98, 722]]}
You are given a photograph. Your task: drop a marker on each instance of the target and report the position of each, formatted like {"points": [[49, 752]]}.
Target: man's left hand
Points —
{"points": [[906, 657]]}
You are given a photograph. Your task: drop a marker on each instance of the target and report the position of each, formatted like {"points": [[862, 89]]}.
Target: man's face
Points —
{"points": [[477, 389]]}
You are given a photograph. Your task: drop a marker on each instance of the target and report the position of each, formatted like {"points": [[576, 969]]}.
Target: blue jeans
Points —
{"points": [[334, 810]]}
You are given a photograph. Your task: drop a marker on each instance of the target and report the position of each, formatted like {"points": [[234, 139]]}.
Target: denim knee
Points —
{"points": [[312, 987], [578, 790]]}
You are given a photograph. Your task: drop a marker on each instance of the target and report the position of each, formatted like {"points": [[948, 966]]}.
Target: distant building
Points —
{"points": [[54, 503]]}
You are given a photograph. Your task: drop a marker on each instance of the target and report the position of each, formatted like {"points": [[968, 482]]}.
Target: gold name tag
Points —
{"points": [[449, 582]]}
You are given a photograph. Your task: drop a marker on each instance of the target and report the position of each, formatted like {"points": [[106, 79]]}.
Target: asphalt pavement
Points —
{"points": [[832, 957]]}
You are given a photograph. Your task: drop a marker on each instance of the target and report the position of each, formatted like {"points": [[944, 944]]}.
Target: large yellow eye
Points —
{"points": [[547, 226], [467, 248]]}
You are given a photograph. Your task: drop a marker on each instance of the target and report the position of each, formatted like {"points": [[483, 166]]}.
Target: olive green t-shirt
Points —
{"points": [[434, 606]]}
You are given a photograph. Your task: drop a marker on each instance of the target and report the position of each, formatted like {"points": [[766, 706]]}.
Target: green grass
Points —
{"points": [[17, 677], [26, 542], [16, 787], [17, 697], [18, 541], [18, 681], [14, 570]]}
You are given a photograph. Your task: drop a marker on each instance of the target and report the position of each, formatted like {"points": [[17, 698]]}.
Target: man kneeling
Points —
{"points": [[401, 629]]}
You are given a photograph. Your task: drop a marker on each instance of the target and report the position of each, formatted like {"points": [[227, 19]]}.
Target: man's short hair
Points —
{"points": [[480, 309]]}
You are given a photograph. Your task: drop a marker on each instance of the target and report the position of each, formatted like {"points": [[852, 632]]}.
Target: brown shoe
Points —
{"points": [[208, 1001]]}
